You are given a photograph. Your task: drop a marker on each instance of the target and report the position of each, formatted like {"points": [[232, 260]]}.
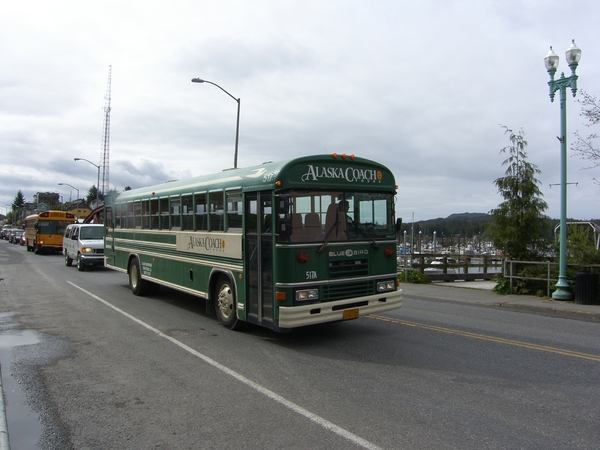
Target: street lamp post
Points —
{"points": [[237, 127], [97, 167], [573, 56], [77, 208]]}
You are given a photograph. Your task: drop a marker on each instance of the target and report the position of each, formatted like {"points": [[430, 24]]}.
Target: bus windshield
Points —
{"points": [[341, 216], [52, 226]]}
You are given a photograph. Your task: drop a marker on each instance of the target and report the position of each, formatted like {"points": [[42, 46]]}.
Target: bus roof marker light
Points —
{"points": [[278, 183], [352, 157], [334, 155], [343, 156]]}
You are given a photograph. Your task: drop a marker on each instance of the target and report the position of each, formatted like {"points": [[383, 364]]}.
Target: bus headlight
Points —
{"points": [[307, 294], [386, 286]]}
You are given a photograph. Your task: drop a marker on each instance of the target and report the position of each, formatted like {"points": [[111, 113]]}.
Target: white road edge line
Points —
{"points": [[263, 390]]}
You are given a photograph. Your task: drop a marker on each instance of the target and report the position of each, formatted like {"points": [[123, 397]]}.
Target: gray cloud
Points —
{"points": [[421, 87]]}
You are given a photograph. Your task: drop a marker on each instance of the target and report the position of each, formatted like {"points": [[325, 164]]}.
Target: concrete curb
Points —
{"points": [[4, 442], [468, 295]]}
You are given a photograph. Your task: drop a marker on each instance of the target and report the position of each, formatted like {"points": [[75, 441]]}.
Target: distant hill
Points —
{"points": [[466, 224], [463, 224]]}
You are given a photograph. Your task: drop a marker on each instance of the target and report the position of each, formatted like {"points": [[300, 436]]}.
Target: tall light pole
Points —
{"points": [[77, 208], [237, 127], [573, 56], [97, 167]]}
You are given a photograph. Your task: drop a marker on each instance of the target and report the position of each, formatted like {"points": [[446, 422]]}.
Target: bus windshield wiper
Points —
{"points": [[334, 226], [368, 236]]}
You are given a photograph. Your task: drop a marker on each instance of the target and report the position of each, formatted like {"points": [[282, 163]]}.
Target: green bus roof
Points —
{"points": [[309, 172]]}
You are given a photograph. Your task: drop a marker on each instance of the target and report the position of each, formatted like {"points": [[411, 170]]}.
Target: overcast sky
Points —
{"points": [[421, 86]]}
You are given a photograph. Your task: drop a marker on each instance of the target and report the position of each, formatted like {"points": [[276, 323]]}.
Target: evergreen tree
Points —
{"points": [[19, 200], [91, 195], [519, 228]]}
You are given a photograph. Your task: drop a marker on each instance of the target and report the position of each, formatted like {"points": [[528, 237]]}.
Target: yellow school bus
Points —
{"points": [[44, 231]]}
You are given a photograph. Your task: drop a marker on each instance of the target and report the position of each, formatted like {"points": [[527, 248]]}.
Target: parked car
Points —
{"points": [[84, 244], [4, 231], [15, 238], [10, 234]]}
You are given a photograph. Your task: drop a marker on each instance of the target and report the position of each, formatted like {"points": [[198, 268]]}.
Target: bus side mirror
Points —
{"points": [[284, 228], [398, 224], [282, 204]]}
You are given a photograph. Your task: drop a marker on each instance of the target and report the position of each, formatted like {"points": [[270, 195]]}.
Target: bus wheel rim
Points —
{"points": [[134, 276], [225, 301]]}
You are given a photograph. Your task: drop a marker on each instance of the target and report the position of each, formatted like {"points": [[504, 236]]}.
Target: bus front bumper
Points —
{"points": [[297, 316]]}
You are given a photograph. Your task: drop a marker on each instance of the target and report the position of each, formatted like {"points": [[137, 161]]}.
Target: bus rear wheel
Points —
{"points": [[138, 286], [225, 303]]}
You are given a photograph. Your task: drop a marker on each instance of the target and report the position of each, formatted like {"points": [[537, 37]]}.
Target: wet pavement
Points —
{"points": [[17, 416], [26, 419]]}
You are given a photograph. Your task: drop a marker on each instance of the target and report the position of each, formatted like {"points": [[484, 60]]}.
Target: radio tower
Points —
{"points": [[104, 157]]}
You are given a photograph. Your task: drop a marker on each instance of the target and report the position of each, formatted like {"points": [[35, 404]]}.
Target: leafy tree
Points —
{"points": [[584, 146], [19, 200], [519, 227]]}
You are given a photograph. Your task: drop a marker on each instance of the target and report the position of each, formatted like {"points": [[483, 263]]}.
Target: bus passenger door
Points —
{"points": [[259, 257], [109, 236]]}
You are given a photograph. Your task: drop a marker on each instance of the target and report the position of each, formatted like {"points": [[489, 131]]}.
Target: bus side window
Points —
{"points": [[163, 208], [130, 216], [118, 215], [187, 216], [154, 214], [234, 211], [175, 213], [145, 214], [200, 202], [216, 211], [109, 216]]}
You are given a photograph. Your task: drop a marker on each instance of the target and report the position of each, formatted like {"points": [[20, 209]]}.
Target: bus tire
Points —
{"points": [[225, 303], [68, 261], [136, 283]]}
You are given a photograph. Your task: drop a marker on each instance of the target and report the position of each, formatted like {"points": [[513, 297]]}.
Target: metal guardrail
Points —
{"points": [[509, 270]]}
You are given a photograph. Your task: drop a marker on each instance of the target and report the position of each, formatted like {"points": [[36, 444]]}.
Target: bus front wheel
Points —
{"points": [[138, 286], [225, 304]]}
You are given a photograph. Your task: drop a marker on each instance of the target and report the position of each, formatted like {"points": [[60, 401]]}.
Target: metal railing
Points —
{"points": [[509, 271]]}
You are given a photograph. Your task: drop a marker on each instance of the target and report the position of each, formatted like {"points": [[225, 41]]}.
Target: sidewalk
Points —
{"points": [[480, 293]]}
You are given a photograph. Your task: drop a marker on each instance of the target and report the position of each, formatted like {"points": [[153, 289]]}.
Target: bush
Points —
{"points": [[502, 285], [414, 276]]}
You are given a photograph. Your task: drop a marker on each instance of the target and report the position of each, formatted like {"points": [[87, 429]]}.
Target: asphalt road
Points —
{"points": [[102, 369]]}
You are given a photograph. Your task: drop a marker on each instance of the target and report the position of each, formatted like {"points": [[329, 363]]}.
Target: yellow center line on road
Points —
{"points": [[485, 337]]}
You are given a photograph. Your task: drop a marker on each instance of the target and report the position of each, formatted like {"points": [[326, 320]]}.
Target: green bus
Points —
{"points": [[281, 245]]}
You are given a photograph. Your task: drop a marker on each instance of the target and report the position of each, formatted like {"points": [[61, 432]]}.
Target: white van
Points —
{"points": [[84, 244]]}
